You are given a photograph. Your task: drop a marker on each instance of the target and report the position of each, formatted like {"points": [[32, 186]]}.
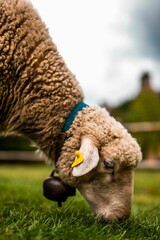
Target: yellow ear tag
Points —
{"points": [[79, 158]]}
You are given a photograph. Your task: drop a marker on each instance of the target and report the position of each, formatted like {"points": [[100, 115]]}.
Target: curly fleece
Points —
{"points": [[37, 90]]}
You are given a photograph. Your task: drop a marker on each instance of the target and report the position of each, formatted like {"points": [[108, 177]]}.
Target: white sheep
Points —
{"points": [[40, 98]]}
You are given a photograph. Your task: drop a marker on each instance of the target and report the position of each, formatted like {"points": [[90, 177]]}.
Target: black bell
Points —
{"points": [[55, 190]]}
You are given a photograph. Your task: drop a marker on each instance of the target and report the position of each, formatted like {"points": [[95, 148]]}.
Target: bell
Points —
{"points": [[55, 190]]}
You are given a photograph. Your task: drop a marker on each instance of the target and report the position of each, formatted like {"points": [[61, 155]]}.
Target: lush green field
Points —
{"points": [[26, 214]]}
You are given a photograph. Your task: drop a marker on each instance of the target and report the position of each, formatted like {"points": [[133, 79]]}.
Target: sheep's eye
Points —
{"points": [[109, 165]]}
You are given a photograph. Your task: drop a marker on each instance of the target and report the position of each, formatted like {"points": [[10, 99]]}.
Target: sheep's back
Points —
{"points": [[21, 34], [24, 44], [34, 80]]}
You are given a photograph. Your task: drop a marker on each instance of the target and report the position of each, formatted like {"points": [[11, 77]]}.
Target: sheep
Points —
{"points": [[41, 98]]}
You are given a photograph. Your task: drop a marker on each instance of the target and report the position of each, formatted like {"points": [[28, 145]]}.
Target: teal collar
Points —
{"points": [[72, 115]]}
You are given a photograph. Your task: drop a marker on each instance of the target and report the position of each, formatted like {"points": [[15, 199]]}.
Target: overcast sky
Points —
{"points": [[106, 44]]}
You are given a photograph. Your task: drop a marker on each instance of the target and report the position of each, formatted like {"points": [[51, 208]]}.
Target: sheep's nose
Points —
{"points": [[116, 216]]}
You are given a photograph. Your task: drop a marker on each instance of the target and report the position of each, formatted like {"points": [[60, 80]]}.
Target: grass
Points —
{"points": [[26, 214]]}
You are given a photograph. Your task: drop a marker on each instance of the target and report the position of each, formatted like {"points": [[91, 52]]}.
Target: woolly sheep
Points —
{"points": [[38, 93]]}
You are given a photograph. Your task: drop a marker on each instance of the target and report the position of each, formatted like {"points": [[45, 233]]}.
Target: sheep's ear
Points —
{"points": [[90, 155]]}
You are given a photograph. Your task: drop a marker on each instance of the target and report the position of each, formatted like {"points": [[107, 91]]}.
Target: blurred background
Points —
{"points": [[113, 48]]}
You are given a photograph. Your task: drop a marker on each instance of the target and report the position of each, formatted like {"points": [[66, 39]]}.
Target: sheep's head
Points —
{"points": [[110, 154]]}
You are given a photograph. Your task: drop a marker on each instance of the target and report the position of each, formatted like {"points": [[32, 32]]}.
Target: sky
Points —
{"points": [[106, 44]]}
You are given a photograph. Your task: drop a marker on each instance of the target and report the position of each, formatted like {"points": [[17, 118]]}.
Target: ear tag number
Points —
{"points": [[79, 158]]}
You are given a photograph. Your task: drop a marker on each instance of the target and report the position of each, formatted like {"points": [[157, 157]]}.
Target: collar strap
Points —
{"points": [[79, 107]]}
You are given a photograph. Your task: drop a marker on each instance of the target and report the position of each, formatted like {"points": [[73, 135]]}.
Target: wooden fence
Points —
{"points": [[143, 126], [20, 156], [26, 156]]}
